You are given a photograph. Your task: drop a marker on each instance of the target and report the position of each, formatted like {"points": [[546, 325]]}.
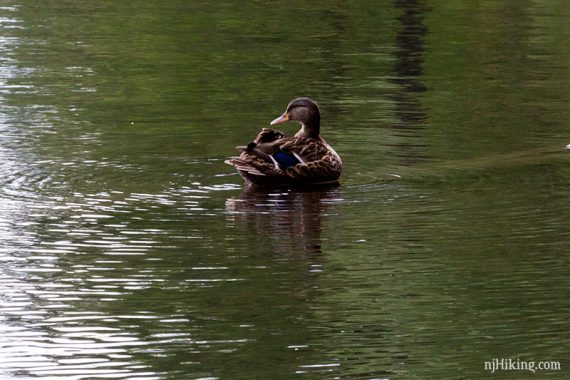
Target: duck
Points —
{"points": [[304, 159]]}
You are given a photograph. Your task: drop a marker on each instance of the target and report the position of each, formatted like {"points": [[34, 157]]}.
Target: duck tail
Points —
{"points": [[244, 166]]}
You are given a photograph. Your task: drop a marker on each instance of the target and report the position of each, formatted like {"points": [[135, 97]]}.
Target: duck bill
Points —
{"points": [[281, 119]]}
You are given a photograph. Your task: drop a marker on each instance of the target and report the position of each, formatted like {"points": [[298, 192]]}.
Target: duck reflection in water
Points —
{"points": [[288, 222]]}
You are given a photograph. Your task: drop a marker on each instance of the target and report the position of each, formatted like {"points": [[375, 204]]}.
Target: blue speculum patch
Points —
{"points": [[285, 160]]}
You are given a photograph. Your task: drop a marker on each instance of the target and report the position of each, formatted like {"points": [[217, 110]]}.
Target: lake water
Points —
{"points": [[129, 250]]}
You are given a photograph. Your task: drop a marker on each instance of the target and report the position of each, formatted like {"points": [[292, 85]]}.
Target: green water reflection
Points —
{"points": [[129, 250]]}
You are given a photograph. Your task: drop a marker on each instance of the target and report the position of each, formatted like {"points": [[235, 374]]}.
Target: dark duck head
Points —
{"points": [[306, 112]]}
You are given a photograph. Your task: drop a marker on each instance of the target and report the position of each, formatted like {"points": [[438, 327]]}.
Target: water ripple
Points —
{"points": [[44, 278]]}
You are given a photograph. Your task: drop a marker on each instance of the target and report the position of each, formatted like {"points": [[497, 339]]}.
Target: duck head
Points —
{"points": [[306, 112]]}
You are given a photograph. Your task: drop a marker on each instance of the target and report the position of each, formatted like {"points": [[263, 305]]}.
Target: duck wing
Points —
{"points": [[273, 159], [256, 163], [263, 159], [318, 161]]}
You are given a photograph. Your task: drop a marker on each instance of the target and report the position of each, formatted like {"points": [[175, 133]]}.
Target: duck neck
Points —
{"points": [[309, 129]]}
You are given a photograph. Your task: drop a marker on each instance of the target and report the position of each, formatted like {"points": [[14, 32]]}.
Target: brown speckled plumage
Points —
{"points": [[318, 163]]}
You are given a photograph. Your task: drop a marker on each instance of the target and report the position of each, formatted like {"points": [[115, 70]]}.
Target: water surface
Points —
{"points": [[128, 249]]}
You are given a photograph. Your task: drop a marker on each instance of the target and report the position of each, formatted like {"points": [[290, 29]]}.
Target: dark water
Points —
{"points": [[129, 250]]}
